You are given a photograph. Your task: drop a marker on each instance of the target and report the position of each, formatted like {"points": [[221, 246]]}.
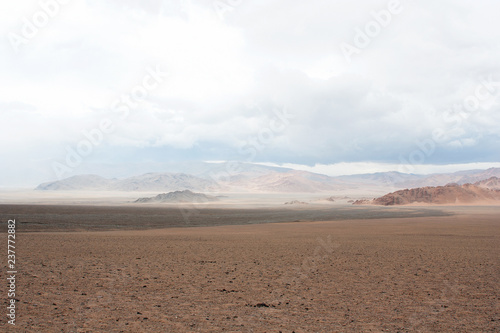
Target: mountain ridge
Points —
{"points": [[146, 182], [258, 178]]}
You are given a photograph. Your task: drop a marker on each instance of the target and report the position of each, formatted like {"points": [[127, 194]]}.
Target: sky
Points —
{"points": [[334, 86]]}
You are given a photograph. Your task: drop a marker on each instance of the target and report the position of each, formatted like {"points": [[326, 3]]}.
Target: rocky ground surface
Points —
{"points": [[420, 274]]}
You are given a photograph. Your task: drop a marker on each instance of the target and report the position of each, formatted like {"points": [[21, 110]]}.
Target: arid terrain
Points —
{"points": [[250, 166], [436, 271]]}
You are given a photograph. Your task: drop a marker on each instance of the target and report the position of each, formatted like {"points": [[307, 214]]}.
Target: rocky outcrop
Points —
{"points": [[296, 202], [179, 197], [449, 194], [362, 202]]}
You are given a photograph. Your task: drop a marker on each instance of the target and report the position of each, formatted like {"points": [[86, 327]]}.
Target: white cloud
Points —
{"points": [[395, 93]]}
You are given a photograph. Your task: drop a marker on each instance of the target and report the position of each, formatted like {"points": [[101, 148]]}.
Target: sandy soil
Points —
{"points": [[419, 274]]}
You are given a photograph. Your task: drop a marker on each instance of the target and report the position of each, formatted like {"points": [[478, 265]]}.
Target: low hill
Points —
{"points": [[185, 196], [296, 202]]}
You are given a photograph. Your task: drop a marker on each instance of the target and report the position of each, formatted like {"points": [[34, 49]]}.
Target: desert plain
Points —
{"points": [[85, 268]]}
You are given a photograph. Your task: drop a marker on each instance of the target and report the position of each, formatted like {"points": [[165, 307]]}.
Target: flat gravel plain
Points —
{"points": [[435, 271]]}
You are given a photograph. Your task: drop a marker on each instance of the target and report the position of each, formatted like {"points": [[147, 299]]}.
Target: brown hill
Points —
{"points": [[449, 194]]}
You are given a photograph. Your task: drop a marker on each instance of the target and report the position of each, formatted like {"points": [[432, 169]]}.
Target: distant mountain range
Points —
{"points": [[402, 180], [146, 182], [245, 177]]}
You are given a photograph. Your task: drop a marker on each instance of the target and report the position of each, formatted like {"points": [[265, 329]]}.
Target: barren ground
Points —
{"points": [[438, 271]]}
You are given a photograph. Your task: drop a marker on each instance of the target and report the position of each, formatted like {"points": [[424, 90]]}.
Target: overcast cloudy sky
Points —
{"points": [[348, 86]]}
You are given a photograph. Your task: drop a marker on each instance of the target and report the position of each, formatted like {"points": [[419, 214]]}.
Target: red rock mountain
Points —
{"points": [[449, 194]]}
